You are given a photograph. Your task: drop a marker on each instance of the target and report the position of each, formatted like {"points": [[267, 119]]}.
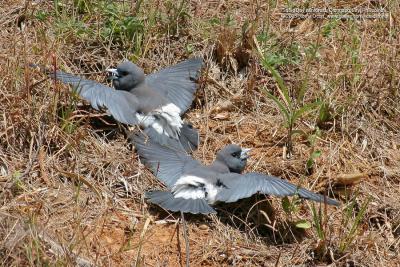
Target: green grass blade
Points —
{"points": [[284, 110], [317, 219], [303, 90], [283, 90], [345, 243], [357, 221], [304, 109]]}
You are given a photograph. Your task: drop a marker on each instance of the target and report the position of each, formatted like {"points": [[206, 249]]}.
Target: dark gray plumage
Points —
{"points": [[155, 101], [167, 200], [221, 181]]}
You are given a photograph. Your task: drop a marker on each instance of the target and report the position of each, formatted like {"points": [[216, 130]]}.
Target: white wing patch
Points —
{"points": [[189, 187], [165, 120], [193, 187]]}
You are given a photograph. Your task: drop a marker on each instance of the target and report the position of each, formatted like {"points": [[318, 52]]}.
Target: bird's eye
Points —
{"points": [[123, 73], [235, 154]]}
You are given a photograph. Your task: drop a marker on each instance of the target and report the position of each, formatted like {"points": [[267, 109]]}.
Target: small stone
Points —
{"points": [[203, 227]]}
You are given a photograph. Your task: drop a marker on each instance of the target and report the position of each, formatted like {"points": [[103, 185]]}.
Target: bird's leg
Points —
{"points": [[186, 239]]}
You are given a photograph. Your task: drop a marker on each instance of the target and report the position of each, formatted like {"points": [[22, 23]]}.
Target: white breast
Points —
{"points": [[193, 187]]}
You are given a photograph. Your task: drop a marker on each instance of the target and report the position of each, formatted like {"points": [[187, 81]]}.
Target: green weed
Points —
{"points": [[177, 14], [291, 108], [328, 28], [291, 208], [290, 112], [115, 24], [352, 223], [119, 27], [68, 125], [318, 220], [312, 138]]}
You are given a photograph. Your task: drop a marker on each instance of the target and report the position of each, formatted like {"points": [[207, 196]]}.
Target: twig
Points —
{"points": [[35, 156], [81, 179], [186, 239], [141, 240], [219, 85]]}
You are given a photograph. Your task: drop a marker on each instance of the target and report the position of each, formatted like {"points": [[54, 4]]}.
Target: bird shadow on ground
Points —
{"points": [[162, 214], [252, 215], [106, 127], [257, 217]]}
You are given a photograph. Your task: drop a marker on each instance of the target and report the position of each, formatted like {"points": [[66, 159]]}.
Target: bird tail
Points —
{"points": [[188, 138], [166, 200], [163, 139], [304, 193]]}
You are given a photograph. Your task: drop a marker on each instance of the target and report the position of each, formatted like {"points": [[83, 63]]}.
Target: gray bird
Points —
{"points": [[156, 101], [194, 186]]}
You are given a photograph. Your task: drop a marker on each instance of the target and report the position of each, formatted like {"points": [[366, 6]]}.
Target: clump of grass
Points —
{"points": [[352, 223], [114, 25]]}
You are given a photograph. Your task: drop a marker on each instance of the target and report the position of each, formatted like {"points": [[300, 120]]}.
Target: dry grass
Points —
{"points": [[72, 189]]}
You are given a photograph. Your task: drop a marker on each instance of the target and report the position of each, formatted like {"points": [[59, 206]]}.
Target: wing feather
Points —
{"points": [[242, 186], [120, 104], [167, 201], [167, 163], [177, 83]]}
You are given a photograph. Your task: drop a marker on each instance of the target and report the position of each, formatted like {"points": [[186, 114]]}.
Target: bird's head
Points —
{"points": [[234, 157], [126, 76]]}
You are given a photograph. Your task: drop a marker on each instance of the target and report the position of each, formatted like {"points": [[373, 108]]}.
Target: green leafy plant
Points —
{"points": [[353, 50], [67, 124], [278, 55], [71, 26], [120, 27], [287, 107], [319, 222], [84, 6], [41, 15], [324, 114], [116, 24], [303, 224], [293, 207], [328, 28], [290, 207]]}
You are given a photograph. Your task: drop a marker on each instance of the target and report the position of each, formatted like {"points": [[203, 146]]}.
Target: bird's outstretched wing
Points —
{"points": [[177, 83], [238, 186], [120, 104], [167, 201], [166, 162]]}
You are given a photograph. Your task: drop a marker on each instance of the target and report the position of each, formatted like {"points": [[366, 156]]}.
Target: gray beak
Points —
{"points": [[113, 74], [243, 154]]}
